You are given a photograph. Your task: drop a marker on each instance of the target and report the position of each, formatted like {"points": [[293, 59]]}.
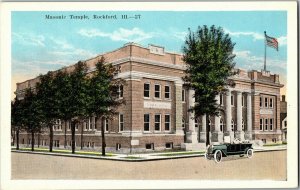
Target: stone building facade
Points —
{"points": [[156, 117]]}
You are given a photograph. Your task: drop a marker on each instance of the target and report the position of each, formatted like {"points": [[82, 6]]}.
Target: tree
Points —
{"points": [[208, 53], [62, 87], [104, 94], [46, 95], [17, 118], [33, 114], [77, 98]]}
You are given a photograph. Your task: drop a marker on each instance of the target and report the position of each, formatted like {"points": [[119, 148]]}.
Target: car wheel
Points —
{"points": [[250, 153], [218, 156]]}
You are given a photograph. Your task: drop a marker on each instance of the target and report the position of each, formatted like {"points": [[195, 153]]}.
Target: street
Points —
{"points": [[264, 165]]}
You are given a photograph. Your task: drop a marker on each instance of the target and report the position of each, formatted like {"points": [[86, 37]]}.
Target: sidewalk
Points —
{"points": [[144, 156]]}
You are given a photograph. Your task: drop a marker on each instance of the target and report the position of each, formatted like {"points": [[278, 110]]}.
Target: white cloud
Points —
{"points": [[62, 44], [29, 39], [254, 35], [180, 35], [282, 40], [121, 34], [246, 60]]}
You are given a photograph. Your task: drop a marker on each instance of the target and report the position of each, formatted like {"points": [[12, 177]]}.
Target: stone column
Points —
{"points": [[192, 134], [228, 118], [239, 112], [178, 108], [203, 129], [248, 135], [217, 135]]}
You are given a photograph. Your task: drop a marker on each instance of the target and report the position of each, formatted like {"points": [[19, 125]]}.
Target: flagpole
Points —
{"points": [[265, 69]]}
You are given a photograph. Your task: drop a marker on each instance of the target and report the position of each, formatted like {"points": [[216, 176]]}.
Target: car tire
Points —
{"points": [[250, 153], [218, 156]]}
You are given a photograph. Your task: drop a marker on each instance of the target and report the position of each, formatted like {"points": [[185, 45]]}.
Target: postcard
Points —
{"points": [[149, 95]]}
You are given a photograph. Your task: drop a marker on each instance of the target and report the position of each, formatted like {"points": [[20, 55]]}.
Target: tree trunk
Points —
{"points": [[65, 143], [51, 138], [103, 140], [18, 132], [81, 137], [73, 123], [207, 130], [32, 141]]}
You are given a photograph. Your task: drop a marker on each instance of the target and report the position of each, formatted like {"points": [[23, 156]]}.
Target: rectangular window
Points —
{"points": [[260, 101], [271, 103], [69, 126], [147, 90], [105, 124], [150, 146], [121, 122], [183, 95], [146, 122], [221, 99], [169, 145], [118, 146], [271, 124], [157, 91], [243, 101], [266, 102], [88, 124], [167, 92], [157, 122], [261, 124], [232, 100], [76, 127], [167, 122], [266, 124], [121, 91]]}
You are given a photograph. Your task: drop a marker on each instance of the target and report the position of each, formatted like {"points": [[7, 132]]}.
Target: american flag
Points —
{"points": [[272, 42]]}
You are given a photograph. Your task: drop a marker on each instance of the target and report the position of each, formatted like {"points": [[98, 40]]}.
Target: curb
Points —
{"points": [[123, 159]]}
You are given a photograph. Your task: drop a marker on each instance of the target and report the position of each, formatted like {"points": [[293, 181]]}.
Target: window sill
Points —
{"points": [[147, 98]]}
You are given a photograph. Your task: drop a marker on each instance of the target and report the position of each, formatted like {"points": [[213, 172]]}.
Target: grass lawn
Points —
{"points": [[275, 144], [65, 151], [180, 153], [133, 157]]}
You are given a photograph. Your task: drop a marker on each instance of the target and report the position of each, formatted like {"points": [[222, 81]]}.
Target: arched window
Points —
{"points": [[232, 125], [221, 125]]}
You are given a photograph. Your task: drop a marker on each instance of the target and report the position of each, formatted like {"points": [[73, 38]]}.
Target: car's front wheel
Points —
{"points": [[218, 156], [250, 153]]}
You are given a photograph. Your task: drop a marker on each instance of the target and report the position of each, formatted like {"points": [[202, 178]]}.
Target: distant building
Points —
{"points": [[283, 118], [156, 115]]}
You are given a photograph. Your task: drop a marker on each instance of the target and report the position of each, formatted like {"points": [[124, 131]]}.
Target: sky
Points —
{"points": [[40, 45]]}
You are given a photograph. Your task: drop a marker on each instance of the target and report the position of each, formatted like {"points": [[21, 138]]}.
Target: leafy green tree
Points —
{"points": [[105, 94], [33, 114], [78, 98], [208, 53], [62, 87], [46, 95], [17, 118]]}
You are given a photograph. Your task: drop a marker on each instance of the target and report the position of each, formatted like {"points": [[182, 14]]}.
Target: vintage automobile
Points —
{"points": [[216, 152]]}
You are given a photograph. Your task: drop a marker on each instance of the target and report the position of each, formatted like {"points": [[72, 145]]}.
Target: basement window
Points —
{"points": [[150, 146], [169, 145]]}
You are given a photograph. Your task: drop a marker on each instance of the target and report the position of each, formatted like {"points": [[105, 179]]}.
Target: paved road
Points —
{"points": [[264, 165]]}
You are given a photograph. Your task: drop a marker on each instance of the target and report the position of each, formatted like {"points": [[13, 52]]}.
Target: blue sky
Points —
{"points": [[40, 45]]}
